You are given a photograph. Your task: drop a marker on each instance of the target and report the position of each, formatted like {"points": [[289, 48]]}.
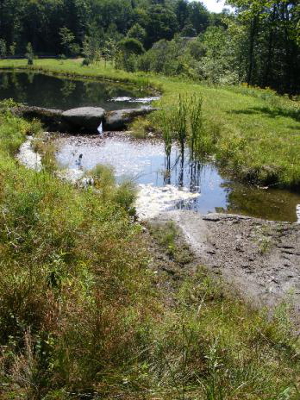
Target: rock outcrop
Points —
{"points": [[84, 118], [118, 120]]}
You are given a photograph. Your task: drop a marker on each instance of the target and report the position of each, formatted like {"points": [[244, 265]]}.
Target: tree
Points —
{"points": [[109, 50], [162, 24], [137, 32], [272, 54], [67, 41], [131, 46], [198, 16], [127, 56], [3, 48], [29, 54], [182, 13], [188, 31]]}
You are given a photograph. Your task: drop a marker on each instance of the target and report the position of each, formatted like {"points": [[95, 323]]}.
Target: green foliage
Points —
{"points": [[131, 46], [90, 48], [29, 54], [189, 31], [68, 41], [218, 63], [162, 24], [169, 58], [137, 32], [3, 48], [127, 56], [109, 50]]}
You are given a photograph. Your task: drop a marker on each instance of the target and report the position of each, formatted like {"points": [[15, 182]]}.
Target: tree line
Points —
{"points": [[258, 44]]}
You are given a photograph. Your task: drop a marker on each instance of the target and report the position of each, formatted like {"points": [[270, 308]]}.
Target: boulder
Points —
{"points": [[51, 118], [118, 120], [84, 118]]}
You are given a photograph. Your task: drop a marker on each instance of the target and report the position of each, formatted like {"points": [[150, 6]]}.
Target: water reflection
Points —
{"points": [[47, 91], [145, 162]]}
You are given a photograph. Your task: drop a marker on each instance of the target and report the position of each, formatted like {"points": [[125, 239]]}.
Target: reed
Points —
{"points": [[181, 118], [166, 127]]}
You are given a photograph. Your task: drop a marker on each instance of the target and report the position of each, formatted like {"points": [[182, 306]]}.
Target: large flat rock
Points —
{"points": [[84, 118], [119, 119]]}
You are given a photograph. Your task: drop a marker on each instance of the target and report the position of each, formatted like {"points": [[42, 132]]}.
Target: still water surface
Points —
{"points": [[34, 89], [145, 163]]}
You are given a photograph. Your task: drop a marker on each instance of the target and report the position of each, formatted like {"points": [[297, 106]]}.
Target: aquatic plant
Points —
{"points": [[180, 121], [184, 124], [166, 127], [196, 124]]}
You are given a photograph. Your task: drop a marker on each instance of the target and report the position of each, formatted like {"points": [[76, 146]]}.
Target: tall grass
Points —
{"points": [[74, 291], [183, 123], [180, 121]]}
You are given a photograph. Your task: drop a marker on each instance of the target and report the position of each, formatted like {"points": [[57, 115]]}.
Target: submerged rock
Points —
{"points": [[119, 119], [84, 118]]}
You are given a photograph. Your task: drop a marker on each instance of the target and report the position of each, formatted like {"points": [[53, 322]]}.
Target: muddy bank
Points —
{"points": [[260, 258]]}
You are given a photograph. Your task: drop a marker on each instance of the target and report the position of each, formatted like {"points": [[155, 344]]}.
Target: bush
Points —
{"points": [[131, 46]]}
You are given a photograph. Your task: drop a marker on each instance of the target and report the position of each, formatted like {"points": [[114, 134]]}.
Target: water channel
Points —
{"points": [[144, 162]]}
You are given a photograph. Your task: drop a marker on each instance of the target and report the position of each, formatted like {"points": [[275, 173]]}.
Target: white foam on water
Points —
{"points": [[121, 98], [142, 100], [152, 200], [28, 157], [298, 213]]}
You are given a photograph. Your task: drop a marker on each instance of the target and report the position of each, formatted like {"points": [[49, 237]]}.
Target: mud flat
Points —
{"points": [[261, 259]]}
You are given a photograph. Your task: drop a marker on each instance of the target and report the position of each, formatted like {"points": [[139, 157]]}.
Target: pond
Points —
{"points": [[35, 89], [144, 162]]}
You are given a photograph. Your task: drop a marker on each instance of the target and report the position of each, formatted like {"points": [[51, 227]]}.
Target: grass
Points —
{"points": [[257, 132], [81, 311]]}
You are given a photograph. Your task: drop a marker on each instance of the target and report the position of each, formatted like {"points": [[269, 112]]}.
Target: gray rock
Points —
{"points": [[119, 119], [51, 118], [84, 118]]}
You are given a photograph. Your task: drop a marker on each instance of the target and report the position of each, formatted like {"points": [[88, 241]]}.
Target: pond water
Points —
{"points": [[34, 89], [145, 163]]}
